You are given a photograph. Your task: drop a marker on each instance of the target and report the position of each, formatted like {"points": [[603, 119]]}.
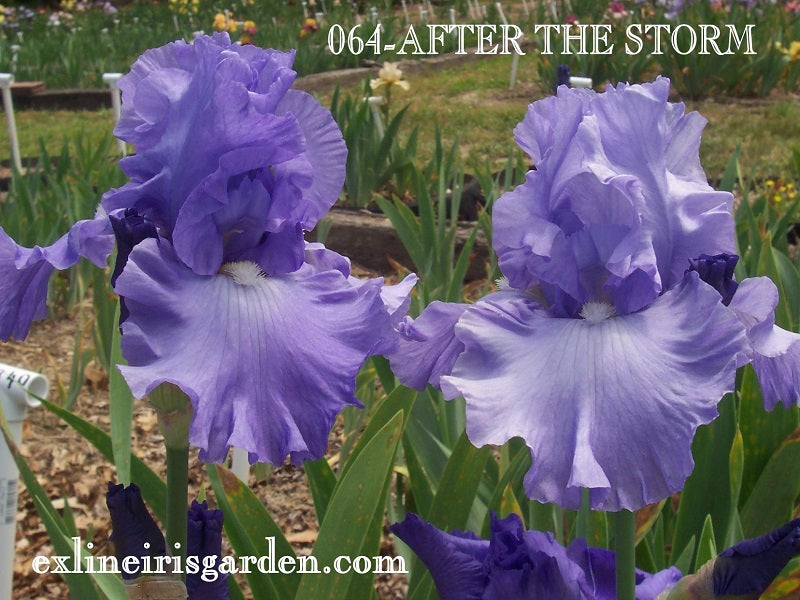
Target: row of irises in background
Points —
{"points": [[75, 45]]}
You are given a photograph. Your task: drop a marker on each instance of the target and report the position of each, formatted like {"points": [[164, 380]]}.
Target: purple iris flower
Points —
{"points": [[264, 332], [134, 532], [25, 272], [600, 349], [749, 567], [203, 540], [515, 563]]}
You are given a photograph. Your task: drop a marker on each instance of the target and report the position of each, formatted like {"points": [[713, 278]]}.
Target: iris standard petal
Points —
{"points": [[606, 404], [25, 272], [204, 116], [267, 362], [635, 130]]}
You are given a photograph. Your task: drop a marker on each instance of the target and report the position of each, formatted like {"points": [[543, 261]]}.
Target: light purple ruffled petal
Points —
{"points": [[25, 272], [776, 358], [267, 361], [610, 405], [210, 118], [623, 164], [427, 347]]}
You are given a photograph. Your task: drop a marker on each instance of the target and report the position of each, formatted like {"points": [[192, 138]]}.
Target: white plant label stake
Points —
{"points": [[6, 79], [111, 79]]}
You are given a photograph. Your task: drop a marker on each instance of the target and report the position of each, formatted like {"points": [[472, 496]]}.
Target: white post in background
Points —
{"points": [[515, 59], [111, 79], [240, 464], [14, 54], [405, 9], [374, 105], [452, 16], [525, 8], [553, 10], [15, 383], [6, 79]]}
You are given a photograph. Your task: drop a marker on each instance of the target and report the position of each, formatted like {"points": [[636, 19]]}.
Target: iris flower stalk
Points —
{"points": [[617, 326]]}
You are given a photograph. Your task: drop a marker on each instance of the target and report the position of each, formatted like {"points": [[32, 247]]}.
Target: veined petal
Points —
{"points": [[776, 358], [609, 405], [25, 272], [267, 361]]}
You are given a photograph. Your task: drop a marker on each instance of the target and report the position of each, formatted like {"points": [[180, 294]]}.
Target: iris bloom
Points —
{"points": [[389, 76], [222, 295], [603, 350], [515, 563]]}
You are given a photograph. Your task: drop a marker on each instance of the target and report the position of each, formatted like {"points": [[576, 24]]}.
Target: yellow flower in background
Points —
{"points": [[224, 22], [184, 6], [67, 4], [390, 75], [309, 26], [249, 29], [794, 51], [778, 190]]}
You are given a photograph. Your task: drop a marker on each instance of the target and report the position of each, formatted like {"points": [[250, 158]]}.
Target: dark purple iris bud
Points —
{"points": [[749, 567], [717, 271], [562, 76], [204, 539], [129, 230], [133, 530]]}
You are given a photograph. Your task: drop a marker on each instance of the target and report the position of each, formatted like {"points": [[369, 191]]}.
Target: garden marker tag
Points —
{"points": [[156, 588]]}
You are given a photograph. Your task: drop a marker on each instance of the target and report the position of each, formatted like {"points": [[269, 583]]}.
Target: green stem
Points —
{"points": [[625, 545], [177, 499], [583, 525]]}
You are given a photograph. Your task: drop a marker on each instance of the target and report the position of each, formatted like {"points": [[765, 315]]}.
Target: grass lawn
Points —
{"points": [[472, 102]]}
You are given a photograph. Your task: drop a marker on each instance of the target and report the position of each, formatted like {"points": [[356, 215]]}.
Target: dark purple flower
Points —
{"points": [[750, 566], [204, 539], [264, 332], [717, 271], [25, 272], [134, 532], [562, 76], [515, 563]]}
